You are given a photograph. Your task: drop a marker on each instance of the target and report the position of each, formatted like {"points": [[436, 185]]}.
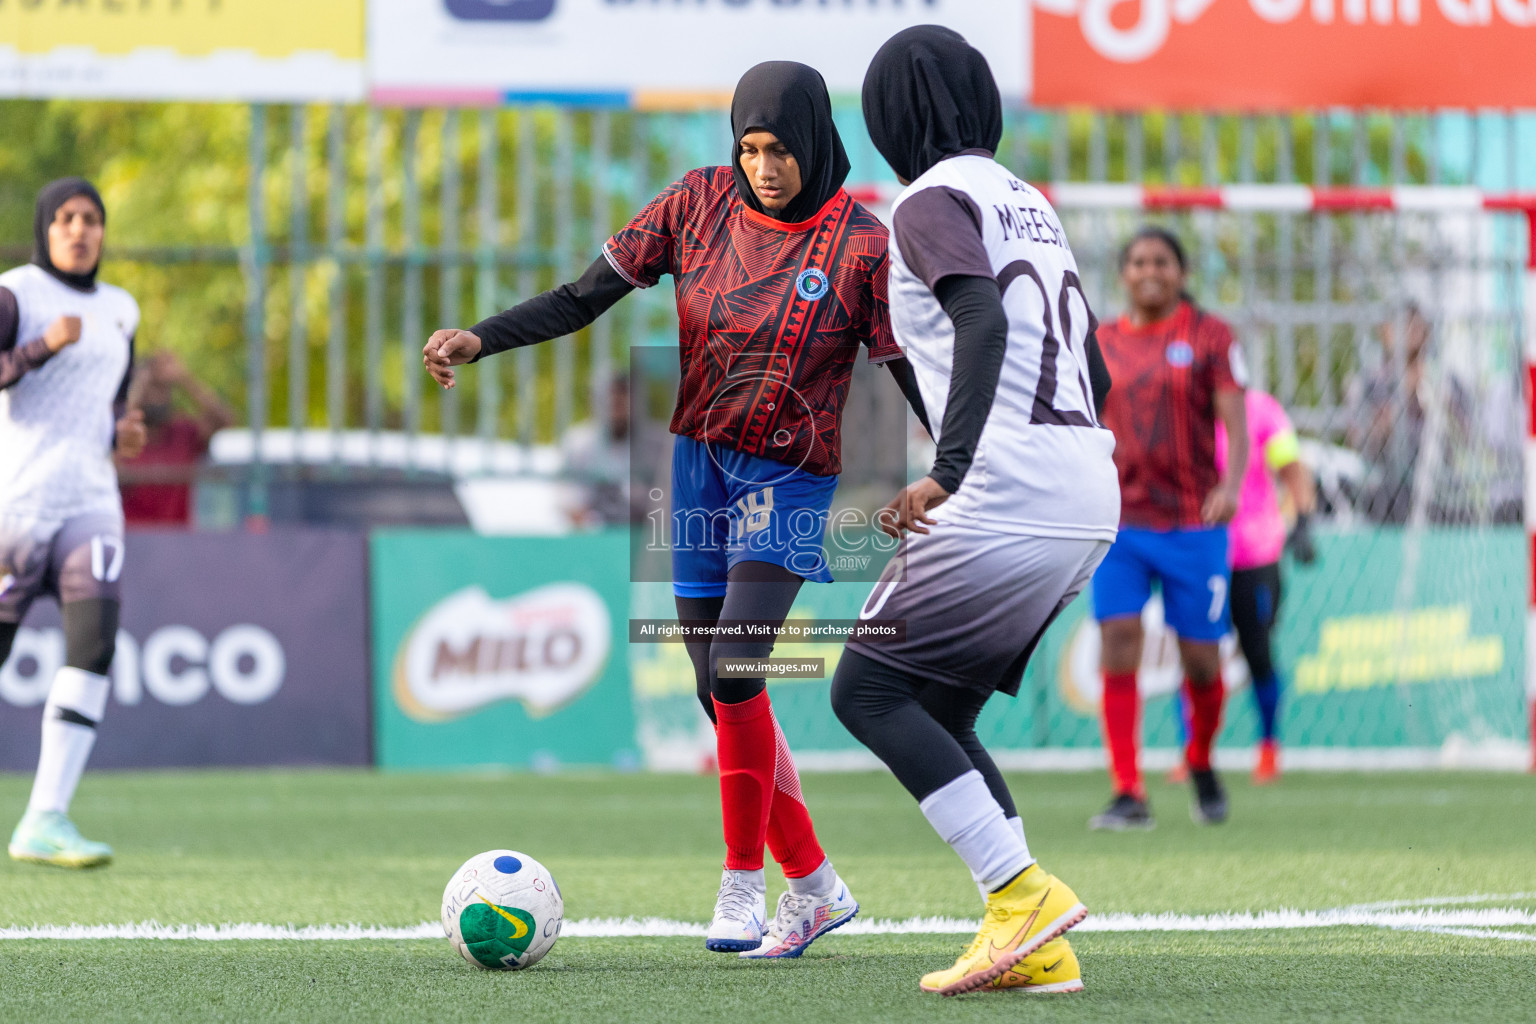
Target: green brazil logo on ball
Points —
{"points": [[493, 933]]}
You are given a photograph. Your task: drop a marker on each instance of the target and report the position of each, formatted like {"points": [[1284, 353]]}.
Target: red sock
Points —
{"points": [[791, 836], [1204, 721], [1122, 731], [745, 739]]}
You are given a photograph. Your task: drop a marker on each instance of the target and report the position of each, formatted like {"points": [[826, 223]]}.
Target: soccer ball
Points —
{"points": [[502, 910]]}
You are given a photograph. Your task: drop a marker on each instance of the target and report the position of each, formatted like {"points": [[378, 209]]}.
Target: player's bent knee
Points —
{"points": [[845, 694], [730, 689], [844, 705], [90, 635], [1203, 671], [1120, 643], [93, 655], [859, 695]]}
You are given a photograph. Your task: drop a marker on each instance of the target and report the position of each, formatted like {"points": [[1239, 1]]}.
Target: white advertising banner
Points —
{"points": [[271, 50], [654, 54]]}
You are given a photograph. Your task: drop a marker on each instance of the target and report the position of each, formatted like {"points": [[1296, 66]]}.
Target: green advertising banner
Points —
{"points": [[501, 650], [1393, 640]]}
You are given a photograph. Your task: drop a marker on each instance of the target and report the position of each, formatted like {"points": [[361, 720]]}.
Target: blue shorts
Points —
{"points": [[1191, 566], [729, 507]]}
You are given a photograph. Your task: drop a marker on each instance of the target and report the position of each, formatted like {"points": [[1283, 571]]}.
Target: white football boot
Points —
{"points": [[802, 919], [740, 910]]}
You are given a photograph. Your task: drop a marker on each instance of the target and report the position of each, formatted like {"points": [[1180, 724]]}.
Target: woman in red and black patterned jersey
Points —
{"points": [[1177, 370], [780, 278]]}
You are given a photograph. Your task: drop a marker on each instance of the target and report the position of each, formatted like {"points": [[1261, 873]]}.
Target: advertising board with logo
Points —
{"points": [[652, 53], [235, 649], [501, 650], [1284, 54], [1373, 658], [276, 50], [1373, 661]]}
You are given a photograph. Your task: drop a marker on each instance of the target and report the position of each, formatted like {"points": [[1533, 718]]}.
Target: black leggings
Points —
{"points": [[756, 592], [924, 731], [1255, 606], [90, 634]]}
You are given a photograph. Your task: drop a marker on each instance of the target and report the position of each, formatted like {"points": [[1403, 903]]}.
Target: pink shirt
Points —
{"points": [[1257, 533]]}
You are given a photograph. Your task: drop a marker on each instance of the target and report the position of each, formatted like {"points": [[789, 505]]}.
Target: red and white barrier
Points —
{"points": [[1258, 198], [1337, 199]]}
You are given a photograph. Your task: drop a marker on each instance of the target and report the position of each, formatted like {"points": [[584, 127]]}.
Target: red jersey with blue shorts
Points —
{"points": [[1162, 409], [772, 315]]}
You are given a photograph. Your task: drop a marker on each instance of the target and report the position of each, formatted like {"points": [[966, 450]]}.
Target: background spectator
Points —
{"points": [[157, 484], [596, 457]]}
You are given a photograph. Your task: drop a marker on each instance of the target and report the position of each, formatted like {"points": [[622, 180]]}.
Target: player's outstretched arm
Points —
{"points": [[553, 314], [447, 349]]}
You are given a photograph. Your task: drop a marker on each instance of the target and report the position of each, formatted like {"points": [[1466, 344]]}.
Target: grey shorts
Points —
{"points": [[975, 602], [76, 560]]}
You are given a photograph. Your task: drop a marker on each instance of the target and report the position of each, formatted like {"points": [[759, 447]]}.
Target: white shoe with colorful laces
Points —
{"points": [[801, 920]]}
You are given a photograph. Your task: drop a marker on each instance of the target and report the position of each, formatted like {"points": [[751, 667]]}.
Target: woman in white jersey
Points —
{"points": [[1018, 510], [66, 354]]}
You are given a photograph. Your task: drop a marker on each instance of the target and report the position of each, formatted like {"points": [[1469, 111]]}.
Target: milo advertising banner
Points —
{"points": [[1397, 647], [500, 650]]}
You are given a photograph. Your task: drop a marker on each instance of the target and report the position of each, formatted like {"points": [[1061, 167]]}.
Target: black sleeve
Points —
{"points": [[975, 306], [907, 381], [555, 313], [120, 401], [1099, 380], [16, 361]]}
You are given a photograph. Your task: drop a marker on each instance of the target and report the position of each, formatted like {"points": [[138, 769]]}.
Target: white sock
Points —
{"points": [[966, 816], [1017, 824], [76, 697], [818, 883]]}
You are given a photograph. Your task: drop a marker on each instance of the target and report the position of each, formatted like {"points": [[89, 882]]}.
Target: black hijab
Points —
{"points": [[929, 94], [790, 100], [54, 195]]}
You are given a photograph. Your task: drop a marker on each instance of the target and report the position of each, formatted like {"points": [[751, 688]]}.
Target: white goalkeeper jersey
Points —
{"points": [[1043, 465], [57, 422]]}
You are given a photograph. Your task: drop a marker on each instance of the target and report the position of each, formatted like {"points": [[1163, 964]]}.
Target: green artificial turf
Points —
{"points": [[376, 849]]}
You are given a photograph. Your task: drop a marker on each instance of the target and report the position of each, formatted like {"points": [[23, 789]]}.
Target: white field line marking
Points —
{"points": [[1444, 901], [1481, 933], [223, 932], [1472, 922]]}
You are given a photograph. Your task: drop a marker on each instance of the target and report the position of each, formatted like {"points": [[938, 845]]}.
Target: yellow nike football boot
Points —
{"points": [[1050, 969], [1021, 917]]}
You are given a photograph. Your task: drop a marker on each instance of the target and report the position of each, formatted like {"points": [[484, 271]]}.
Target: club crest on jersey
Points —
{"points": [[811, 284], [1180, 353]]}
